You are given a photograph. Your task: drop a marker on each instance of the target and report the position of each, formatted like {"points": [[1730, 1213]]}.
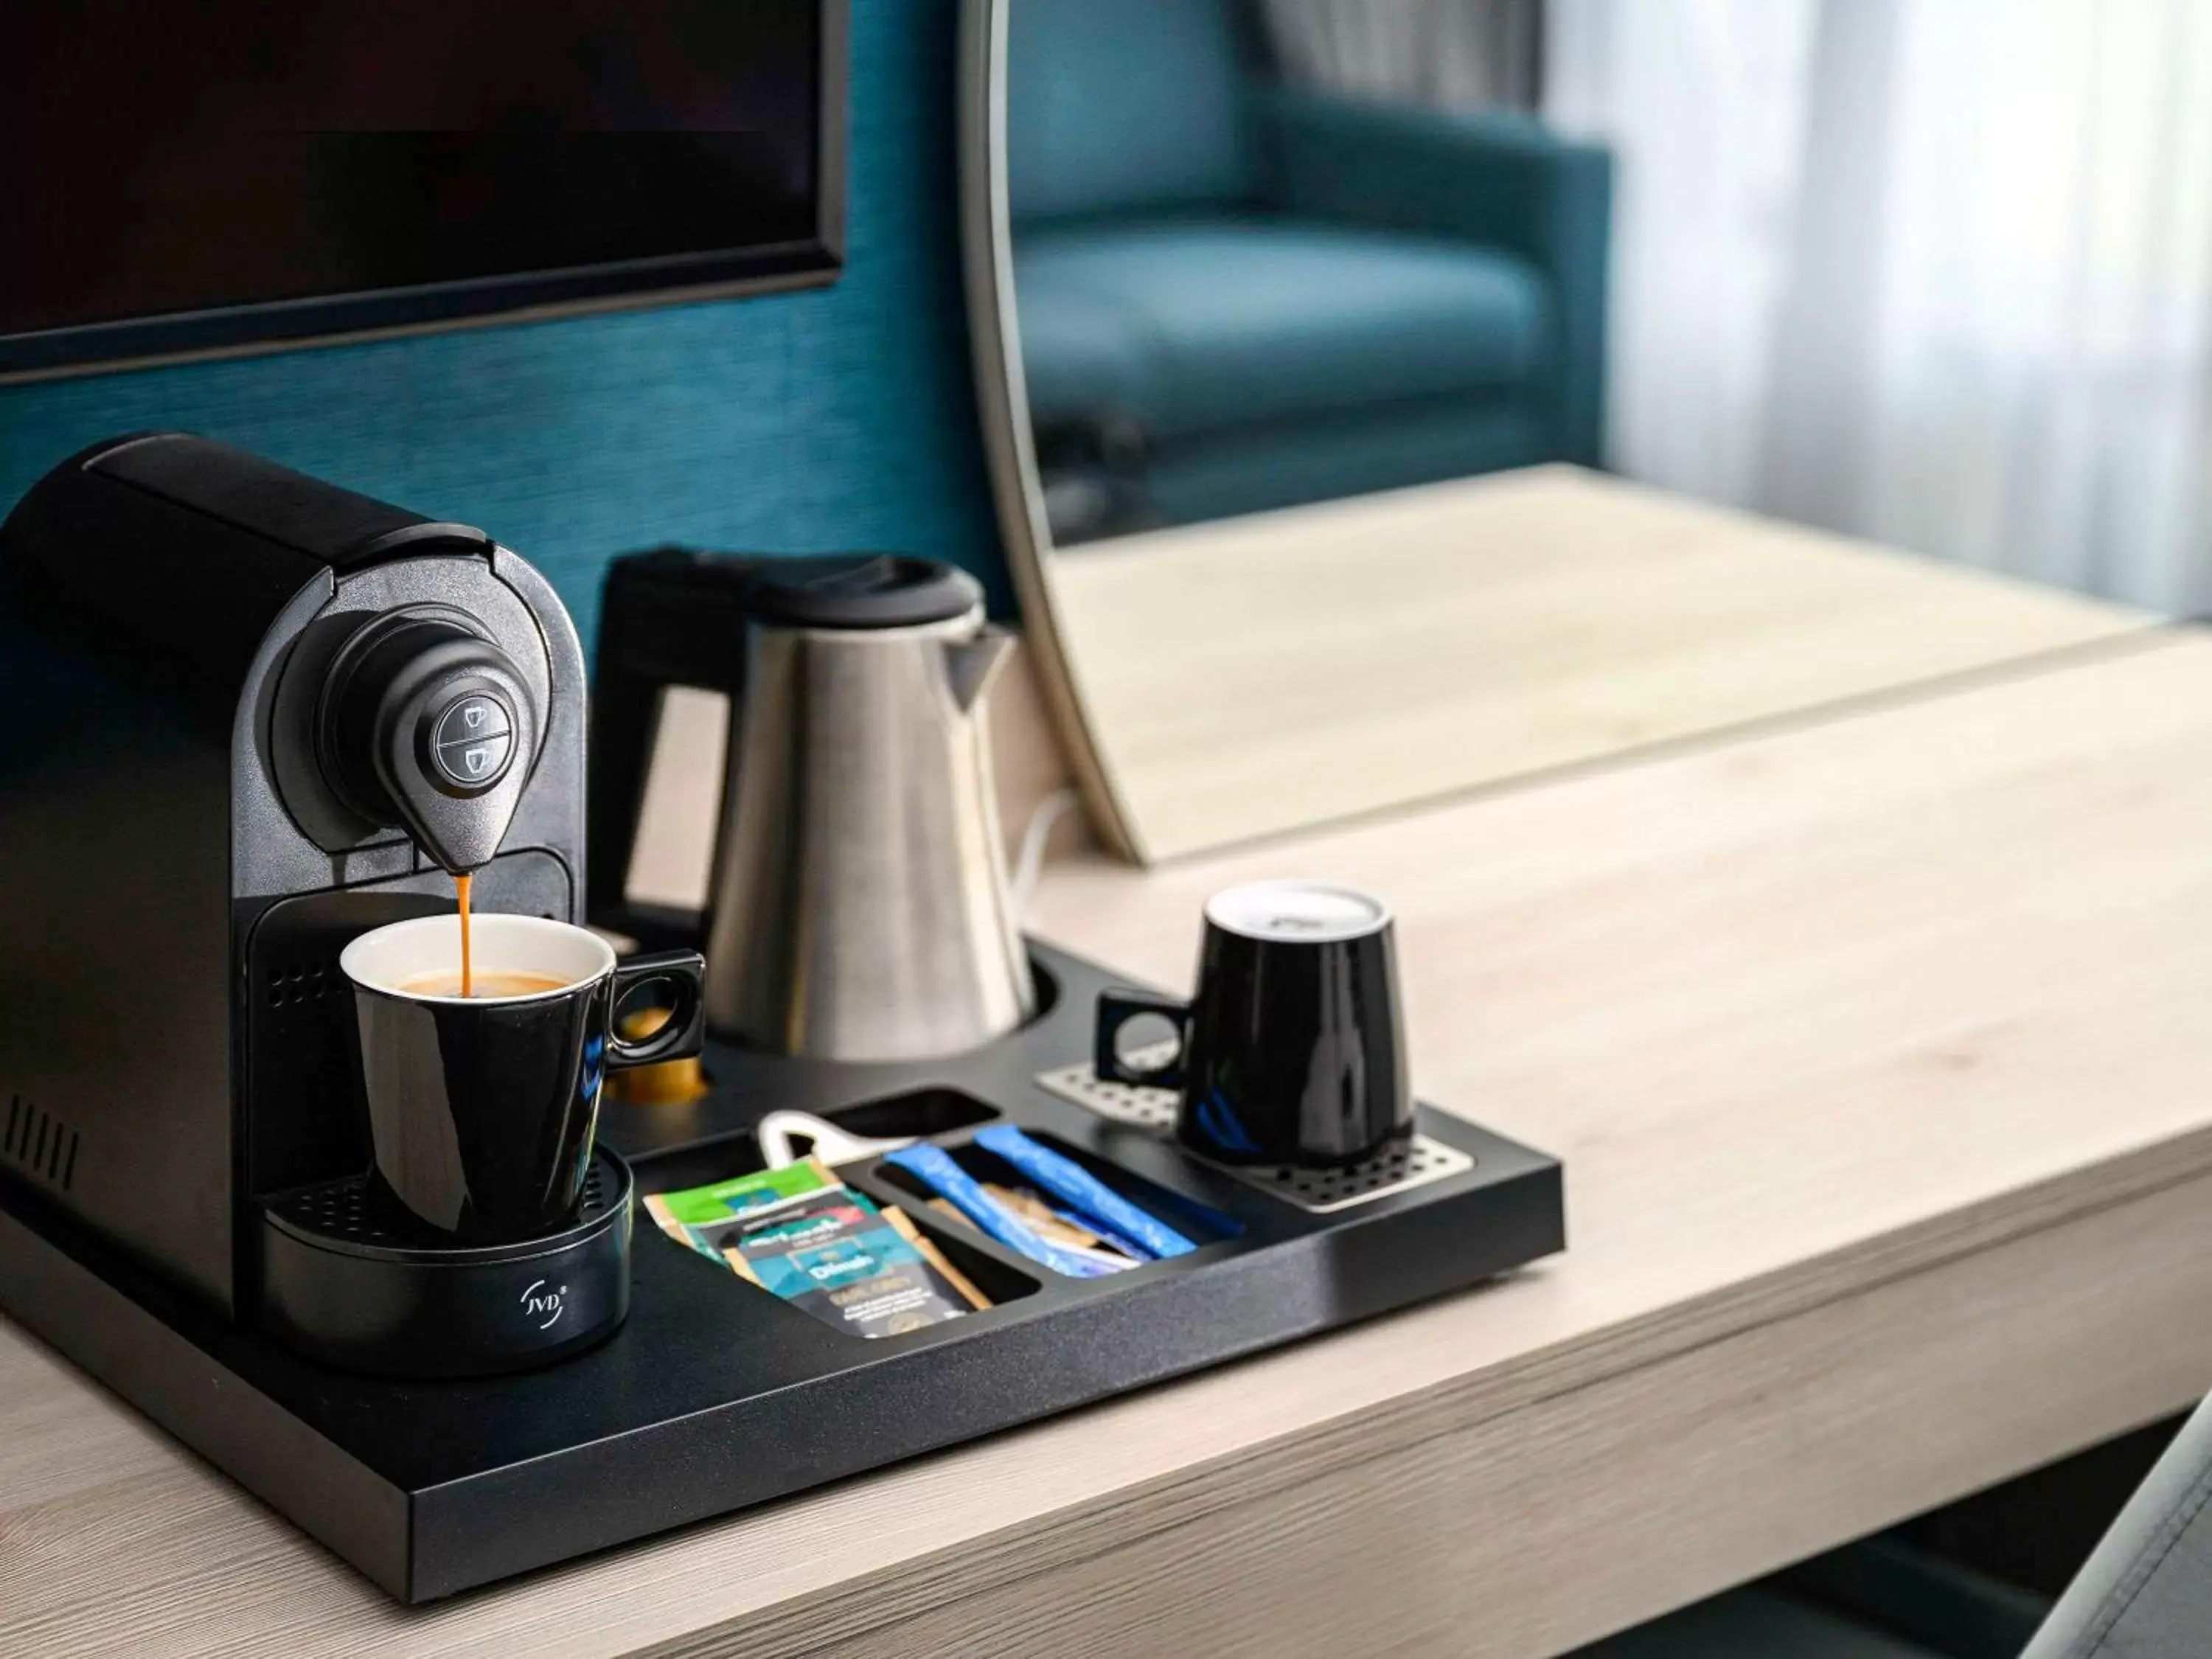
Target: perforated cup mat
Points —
{"points": [[360, 1211], [1407, 1164]]}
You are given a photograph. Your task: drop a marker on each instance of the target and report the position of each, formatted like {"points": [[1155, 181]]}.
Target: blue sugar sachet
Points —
{"points": [[1092, 1198], [934, 1168]]}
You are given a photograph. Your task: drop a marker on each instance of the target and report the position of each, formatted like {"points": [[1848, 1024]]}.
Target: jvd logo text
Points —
{"points": [[544, 1302]]}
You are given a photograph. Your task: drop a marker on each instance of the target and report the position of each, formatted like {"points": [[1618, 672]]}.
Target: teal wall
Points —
{"points": [[835, 418]]}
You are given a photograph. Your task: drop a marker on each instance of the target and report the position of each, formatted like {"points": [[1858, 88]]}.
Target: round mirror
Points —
{"points": [[1318, 343]]}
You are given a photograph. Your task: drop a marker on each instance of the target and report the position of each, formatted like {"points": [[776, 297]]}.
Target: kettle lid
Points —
{"points": [[860, 590]]}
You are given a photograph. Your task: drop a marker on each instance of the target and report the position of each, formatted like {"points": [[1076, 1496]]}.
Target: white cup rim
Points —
{"points": [[1227, 910], [500, 944]]}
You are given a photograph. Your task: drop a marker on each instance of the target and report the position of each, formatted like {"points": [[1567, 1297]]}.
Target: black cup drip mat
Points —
{"points": [[359, 1212], [1405, 1165]]}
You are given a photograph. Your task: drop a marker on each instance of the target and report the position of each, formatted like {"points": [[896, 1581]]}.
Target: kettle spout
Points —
{"points": [[971, 666]]}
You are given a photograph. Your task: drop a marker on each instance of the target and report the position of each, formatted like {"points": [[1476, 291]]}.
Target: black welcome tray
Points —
{"points": [[716, 1395]]}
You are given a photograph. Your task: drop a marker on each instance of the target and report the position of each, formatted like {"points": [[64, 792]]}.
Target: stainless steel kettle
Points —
{"points": [[858, 906]]}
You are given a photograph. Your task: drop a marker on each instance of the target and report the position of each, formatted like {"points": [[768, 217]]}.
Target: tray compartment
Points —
{"points": [[992, 1272], [924, 1113], [1200, 1223]]}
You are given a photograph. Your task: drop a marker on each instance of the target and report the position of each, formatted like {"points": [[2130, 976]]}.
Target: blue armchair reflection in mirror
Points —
{"points": [[1235, 293]]}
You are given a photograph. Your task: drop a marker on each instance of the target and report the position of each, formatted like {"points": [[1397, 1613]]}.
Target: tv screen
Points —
{"points": [[181, 178]]}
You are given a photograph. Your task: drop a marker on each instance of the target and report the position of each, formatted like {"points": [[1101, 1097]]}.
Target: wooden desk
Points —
{"points": [[1268, 674], [1876, 1048]]}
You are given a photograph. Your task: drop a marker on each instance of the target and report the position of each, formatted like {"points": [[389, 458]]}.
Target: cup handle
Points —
{"points": [[682, 1034], [1117, 1009]]}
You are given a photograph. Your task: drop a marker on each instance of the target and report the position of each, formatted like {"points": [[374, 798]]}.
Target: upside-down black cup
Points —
{"points": [[481, 1110], [1293, 1051]]}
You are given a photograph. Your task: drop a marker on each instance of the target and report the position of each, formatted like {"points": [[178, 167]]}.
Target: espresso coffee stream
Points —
{"points": [[463, 883], [445, 982]]}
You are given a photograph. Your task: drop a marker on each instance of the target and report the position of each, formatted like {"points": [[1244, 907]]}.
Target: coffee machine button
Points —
{"points": [[471, 718], [475, 764], [472, 741]]}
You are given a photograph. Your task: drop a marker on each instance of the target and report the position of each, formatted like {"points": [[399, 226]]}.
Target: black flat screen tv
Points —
{"points": [[225, 175]]}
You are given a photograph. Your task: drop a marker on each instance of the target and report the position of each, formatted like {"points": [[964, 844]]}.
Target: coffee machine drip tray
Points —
{"points": [[350, 1277], [715, 1394]]}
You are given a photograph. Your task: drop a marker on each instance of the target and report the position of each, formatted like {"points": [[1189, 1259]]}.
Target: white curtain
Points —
{"points": [[1934, 271], [1438, 52]]}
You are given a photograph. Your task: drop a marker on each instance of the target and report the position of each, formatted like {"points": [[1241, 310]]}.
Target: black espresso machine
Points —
{"points": [[227, 705], [253, 715]]}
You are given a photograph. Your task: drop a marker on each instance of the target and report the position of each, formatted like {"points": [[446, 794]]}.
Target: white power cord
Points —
{"points": [[1029, 863]]}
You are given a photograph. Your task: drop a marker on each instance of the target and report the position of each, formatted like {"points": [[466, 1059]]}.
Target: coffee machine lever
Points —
{"points": [[422, 725]]}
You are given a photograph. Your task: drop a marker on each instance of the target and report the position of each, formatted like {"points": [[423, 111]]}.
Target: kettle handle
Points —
{"points": [[671, 616]]}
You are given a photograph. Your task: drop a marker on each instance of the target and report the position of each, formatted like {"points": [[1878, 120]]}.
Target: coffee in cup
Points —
{"points": [[452, 982]]}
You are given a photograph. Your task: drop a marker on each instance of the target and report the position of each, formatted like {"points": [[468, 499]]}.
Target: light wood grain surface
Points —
{"points": [[1874, 1047], [1271, 673]]}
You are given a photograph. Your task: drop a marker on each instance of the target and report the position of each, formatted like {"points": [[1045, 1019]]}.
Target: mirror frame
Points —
{"points": [[1003, 407]]}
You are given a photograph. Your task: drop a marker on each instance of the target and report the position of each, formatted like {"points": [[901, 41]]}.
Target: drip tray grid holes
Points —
{"points": [[354, 1210], [1397, 1169]]}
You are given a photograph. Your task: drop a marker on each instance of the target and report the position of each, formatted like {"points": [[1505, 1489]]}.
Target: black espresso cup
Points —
{"points": [[482, 1109], [1293, 1051]]}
